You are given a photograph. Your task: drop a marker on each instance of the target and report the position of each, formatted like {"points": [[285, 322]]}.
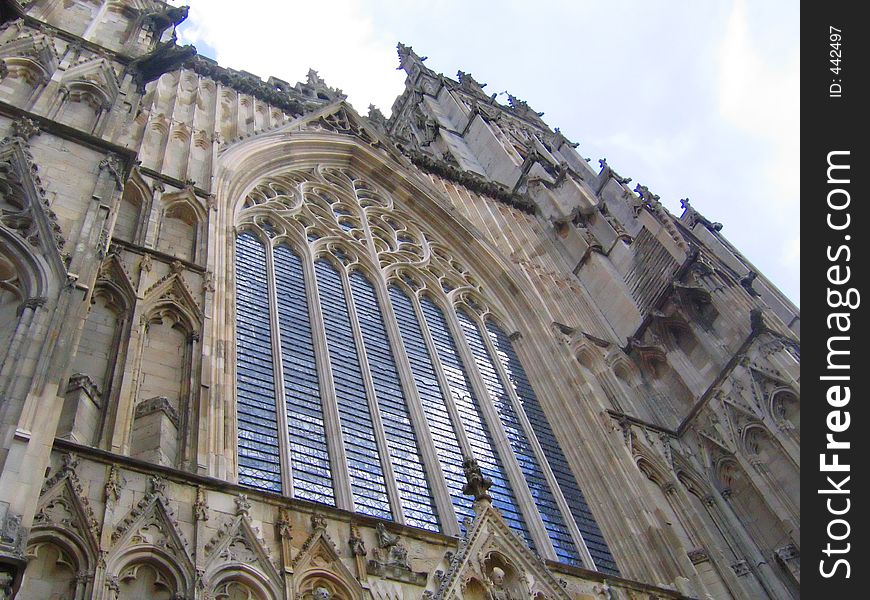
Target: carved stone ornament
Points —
{"points": [[390, 559], [477, 484]]}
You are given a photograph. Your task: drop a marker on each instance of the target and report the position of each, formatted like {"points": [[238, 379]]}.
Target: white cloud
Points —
{"points": [[284, 40], [762, 100]]}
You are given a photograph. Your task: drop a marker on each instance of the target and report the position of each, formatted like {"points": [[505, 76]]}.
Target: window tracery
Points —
{"points": [[369, 367]]}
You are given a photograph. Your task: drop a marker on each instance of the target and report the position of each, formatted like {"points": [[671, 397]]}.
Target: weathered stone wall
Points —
{"points": [[668, 370]]}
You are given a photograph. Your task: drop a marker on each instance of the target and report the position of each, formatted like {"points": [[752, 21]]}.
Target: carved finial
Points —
{"points": [[646, 196], [408, 58], [243, 505], [70, 462], [158, 485], [208, 282], [318, 522], [24, 128], [112, 490], [200, 506], [176, 266], [477, 484], [522, 107], [356, 543], [112, 164], [469, 83], [285, 525], [385, 538], [145, 264]]}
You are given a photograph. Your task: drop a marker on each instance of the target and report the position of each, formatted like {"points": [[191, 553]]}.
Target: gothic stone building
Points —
{"points": [[255, 345]]}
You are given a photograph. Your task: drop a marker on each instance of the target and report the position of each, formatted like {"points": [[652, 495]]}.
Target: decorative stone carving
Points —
{"points": [[112, 488], [200, 506], [477, 484], [24, 128], [390, 559]]}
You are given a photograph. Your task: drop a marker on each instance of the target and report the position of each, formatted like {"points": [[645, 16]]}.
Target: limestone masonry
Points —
{"points": [[256, 345]]}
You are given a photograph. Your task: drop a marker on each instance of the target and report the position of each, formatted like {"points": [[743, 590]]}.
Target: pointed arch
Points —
{"points": [[366, 217], [148, 538], [181, 225], [132, 210]]}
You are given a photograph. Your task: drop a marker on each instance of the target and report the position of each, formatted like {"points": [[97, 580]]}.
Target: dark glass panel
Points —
{"points": [[363, 458], [259, 464], [312, 477], [540, 489], [473, 422], [556, 458]]}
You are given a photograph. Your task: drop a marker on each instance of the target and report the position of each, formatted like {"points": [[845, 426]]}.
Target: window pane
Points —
{"points": [[401, 438], [540, 489], [431, 396], [472, 420], [312, 477], [363, 458], [582, 515], [259, 464]]}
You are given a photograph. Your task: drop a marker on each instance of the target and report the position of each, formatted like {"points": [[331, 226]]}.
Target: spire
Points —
{"points": [[477, 483]]}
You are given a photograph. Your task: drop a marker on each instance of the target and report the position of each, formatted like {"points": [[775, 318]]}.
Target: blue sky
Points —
{"points": [[692, 99]]}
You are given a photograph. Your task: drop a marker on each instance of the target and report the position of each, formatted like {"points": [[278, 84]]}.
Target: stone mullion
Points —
{"points": [[374, 411], [452, 411], [434, 472], [122, 422], [543, 462], [522, 494], [426, 445], [329, 404], [278, 370], [28, 326], [187, 434]]}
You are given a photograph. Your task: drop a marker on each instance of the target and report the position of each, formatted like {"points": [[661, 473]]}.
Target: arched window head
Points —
{"points": [[361, 386]]}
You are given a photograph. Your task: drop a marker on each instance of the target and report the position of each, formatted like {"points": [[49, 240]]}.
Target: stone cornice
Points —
{"points": [[469, 180]]}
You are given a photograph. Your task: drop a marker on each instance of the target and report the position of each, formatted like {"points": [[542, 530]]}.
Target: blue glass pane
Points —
{"points": [[472, 420], [259, 464], [579, 508], [432, 399], [540, 489], [363, 458], [312, 477], [401, 439]]}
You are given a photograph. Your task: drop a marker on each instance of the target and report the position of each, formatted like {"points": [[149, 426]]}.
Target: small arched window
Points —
{"points": [[362, 387]]}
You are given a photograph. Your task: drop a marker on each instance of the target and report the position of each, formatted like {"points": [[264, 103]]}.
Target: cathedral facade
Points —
{"points": [[257, 345]]}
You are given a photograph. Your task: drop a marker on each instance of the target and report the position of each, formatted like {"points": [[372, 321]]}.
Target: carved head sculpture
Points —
{"points": [[321, 593]]}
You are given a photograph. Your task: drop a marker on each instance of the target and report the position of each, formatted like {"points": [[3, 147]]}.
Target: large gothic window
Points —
{"points": [[369, 367]]}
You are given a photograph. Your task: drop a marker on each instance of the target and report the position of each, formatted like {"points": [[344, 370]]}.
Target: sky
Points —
{"points": [[692, 99]]}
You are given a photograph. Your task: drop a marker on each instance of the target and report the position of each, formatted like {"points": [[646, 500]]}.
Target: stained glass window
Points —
{"points": [[360, 445], [309, 454], [297, 382], [555, 457], [258, 445], [401, 439]]}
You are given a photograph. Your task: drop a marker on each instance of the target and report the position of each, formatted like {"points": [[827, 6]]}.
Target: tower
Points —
{"points": [[257, 345]]}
